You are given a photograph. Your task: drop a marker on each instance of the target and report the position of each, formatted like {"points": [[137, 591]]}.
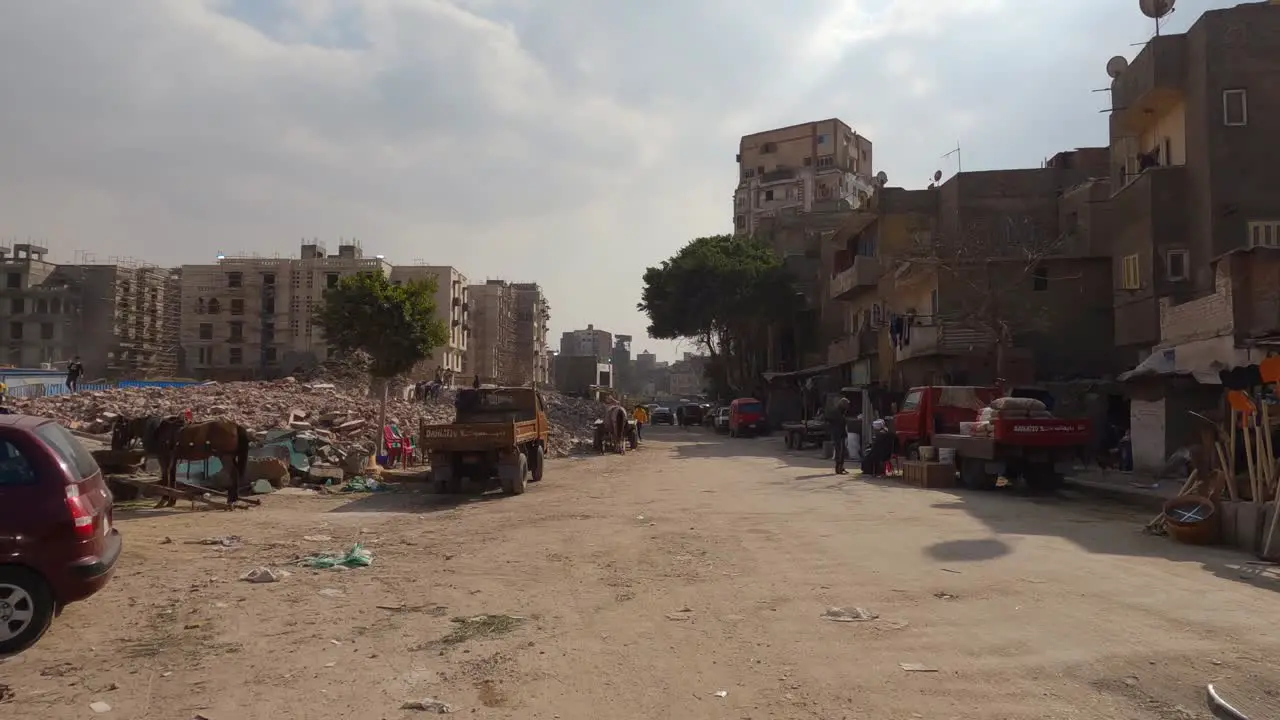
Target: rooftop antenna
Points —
{"points": [[1156, 10], [956, 152]]}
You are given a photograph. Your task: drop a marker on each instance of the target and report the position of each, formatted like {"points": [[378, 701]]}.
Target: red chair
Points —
{"points": [[392, 446]]}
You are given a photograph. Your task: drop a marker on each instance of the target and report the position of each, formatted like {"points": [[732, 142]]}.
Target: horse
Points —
{"points": [[615, 428], [226, 440]]}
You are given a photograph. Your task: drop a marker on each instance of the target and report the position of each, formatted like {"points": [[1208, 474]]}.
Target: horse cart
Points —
{"points": [[602, 442], [498, 439]]}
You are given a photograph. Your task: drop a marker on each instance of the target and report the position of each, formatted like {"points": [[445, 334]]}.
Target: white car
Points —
{"points": [[722, 420]]}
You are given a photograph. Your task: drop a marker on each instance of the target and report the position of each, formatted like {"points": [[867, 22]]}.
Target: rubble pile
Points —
{"points": [[343, 411]]}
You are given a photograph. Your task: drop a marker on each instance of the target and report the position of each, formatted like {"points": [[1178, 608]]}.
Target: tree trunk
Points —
{"points": [[382, 410]]}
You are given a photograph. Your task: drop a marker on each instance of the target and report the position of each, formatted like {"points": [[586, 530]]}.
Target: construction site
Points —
{"points": [[121, 317]]}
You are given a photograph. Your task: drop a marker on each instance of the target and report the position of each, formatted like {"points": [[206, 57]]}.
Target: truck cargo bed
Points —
{"points": [[470, 437]]}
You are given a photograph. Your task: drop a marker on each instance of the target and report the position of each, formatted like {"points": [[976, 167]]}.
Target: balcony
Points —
{"points": [[943, 339], [863, 273], [1157, 77], [1150, 211]]}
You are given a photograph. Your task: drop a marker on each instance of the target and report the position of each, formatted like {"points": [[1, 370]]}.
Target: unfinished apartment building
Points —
{"points": [[247, 317], [452, 305], [491, 355], [533, 313], [119, 318]]}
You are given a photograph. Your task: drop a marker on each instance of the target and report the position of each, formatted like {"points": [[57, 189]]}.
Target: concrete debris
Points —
{"points": [[340, 413]]}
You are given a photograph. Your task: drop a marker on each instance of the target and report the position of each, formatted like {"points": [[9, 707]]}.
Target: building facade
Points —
{"points": [[591, 342], [533, 314], [246, 317], [452, 306], [800, 168], [491, 354], [119, 318]]}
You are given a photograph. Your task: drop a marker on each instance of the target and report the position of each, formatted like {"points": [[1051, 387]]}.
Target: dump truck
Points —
{"points": [[498, 439]]}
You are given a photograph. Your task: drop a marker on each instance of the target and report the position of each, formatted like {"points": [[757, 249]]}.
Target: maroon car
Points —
{"points": [[57, 543]]}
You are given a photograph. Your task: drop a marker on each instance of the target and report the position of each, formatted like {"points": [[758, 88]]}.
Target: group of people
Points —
{"points": [[877, 450]]}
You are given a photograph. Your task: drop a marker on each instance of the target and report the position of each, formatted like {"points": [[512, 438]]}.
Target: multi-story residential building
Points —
{"points": [[1195, 162], [974, 279], [119, 318], [591, 342], [687, 375], [452, 306], [252, 317], [623, 369], [491, 355], [533, 313], [799, 168]]}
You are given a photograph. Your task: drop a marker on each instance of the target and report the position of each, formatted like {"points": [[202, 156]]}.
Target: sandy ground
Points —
{"points": [[644, 586]]}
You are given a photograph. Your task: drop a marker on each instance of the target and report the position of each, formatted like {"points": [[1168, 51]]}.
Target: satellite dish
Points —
{"points": [[937, 175], [1116, 66], [1156, 9], [882, 178]]}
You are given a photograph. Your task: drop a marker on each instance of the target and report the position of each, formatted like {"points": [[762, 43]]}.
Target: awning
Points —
{"points": [[800, 374], [1167, 363]]}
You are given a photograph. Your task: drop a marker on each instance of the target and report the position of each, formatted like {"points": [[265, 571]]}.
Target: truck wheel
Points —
{"points": [[26, 609], [514, 475], [973, 474], [446, 481], [537, 459], [790, 441]]}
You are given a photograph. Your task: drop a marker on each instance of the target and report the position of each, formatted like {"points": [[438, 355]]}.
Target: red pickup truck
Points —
{"points": [[1031, 448]]}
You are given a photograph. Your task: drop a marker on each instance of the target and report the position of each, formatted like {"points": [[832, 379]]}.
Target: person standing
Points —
{"points": [[641, 417], [837, 432], [74, 370]]}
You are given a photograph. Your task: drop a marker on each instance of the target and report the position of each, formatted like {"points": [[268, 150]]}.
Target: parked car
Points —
{"points": [[693, 413], [57, 541], [662, 416], [746, 416], [721, 420]]}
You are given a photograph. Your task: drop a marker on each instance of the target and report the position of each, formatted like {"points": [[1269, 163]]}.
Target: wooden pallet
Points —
{"points": [[932, 475]]}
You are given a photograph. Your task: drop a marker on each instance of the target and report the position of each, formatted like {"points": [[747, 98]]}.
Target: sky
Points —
{"points": [[571, 143]]}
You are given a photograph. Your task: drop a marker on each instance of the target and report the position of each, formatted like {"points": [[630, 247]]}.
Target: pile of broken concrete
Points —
{"points": [[343, 414]]}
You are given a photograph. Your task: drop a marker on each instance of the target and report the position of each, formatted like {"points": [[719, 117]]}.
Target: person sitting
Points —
{"points": [[879, 450]]}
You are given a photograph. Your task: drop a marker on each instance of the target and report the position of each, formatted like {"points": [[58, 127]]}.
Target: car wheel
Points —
{"points": [[26, 609]]}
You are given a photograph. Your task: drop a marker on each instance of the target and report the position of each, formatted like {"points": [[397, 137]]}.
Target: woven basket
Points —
{"points": [[1191, 519]]}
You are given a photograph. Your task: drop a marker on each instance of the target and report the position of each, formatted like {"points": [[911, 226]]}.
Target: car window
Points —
{"points": [[14, 468], [912, 400], [68, 449]]}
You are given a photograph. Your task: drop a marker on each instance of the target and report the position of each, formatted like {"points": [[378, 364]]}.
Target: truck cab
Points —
{"points": [[933, 409], [498, 439]]}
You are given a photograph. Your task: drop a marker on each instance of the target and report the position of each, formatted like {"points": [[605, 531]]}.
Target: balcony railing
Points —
{"points": [[946, 338], [863, 273]]}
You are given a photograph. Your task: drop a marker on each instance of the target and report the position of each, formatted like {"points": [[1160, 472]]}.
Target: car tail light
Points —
{"points": [[81, 512]]}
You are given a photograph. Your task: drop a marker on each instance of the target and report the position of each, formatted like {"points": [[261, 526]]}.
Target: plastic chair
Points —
{"points": [[408, 450], [392, 445]]}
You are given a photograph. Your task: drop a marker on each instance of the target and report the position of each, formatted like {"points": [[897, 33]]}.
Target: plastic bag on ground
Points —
{"points": [[357, 556]]}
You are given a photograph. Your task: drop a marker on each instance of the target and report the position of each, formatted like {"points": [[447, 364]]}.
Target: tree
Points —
{"points": [[990, 264], [725, 293], [396, 325]]}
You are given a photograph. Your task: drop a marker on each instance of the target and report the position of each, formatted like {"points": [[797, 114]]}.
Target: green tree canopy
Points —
{"points": [[397, 325], [724, 292]]}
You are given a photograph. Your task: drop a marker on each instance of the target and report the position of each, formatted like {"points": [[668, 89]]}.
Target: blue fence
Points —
{"points": [[42, 387]]}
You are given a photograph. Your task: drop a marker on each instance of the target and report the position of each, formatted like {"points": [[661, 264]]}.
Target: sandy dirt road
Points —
{"points": [[642, 586]]}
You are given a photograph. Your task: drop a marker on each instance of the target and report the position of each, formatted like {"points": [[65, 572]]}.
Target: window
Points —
{"points": [[768, 194], [1235, 108], [933, 302], [769, 147], [215, 307], [822, 139], [206, 331], [236, 355], [46, 331], [826, 161], [17, 306], [205, 356], [808, 161], [740, 221], [1175, 264], [13, 281], [42, 306], [748, 174], [1040, 278], [14, 468], [1130, 273], [237, 306], [237, 332], [268, 278], [235, 279], [875, 315], [68, 449], [331, 280], [15, 331], [55, 306], [912, 400], [269, 355], [739, 201], [1264, 233]]}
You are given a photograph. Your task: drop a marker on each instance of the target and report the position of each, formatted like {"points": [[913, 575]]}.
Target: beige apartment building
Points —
{"points": [[800, 168], [533, 313], [589, 342], [248, 317], [120, 318], [452, 305], [491, 354]]}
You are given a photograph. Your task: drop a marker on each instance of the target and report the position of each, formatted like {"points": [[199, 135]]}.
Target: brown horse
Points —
{"points": [[615, 428], [171, 439]]}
